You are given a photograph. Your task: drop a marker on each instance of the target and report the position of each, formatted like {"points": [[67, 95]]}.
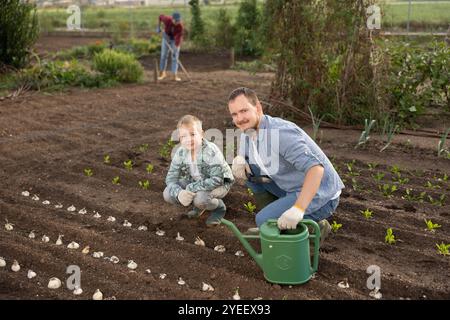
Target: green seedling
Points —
{"points": [[128, 165], [367, 213], [390, 132], [372, 165], [365, 134], [421, 197], [395, 170], [88, 172], [350, 165], [116, 180], [166, 149], [429, 185], [437, 202], [250, 192], [401, 180], [143, 147], [408, 195], [336, 226], [443, 179], [441, 144], [316, 123], [443, 249], [250, 207], [431, 226], [355, 185], [149, 168], [106, 159], [144, 184], [389, 238], [378, 176], [388, 190]]}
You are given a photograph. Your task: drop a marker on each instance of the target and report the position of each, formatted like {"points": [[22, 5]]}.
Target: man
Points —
{"points": [[290, 176], [171, 41]]}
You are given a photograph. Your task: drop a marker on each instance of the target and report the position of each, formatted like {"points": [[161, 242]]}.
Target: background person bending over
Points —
{"points": [[171, 36]]}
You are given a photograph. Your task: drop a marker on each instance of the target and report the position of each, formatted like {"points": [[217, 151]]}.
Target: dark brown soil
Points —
{"points": [[47, 140]]}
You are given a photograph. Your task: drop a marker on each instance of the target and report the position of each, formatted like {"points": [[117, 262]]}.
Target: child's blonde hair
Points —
{"points": [[189, 120]]}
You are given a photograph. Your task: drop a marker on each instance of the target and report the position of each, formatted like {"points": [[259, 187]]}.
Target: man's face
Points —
{"points": [[190, 136], [245, 115]]}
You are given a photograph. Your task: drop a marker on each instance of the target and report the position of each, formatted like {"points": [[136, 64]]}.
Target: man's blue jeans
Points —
{"points": [[285, 201], [165, 54]]}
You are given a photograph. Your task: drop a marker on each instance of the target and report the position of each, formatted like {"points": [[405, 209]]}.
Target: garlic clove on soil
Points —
{"points": [[25, 193], [236, 295], [179, 238], [97, 254], [343, 284], [2, 262], [77, 291], [207, 287], [181, 282], [9, 226], [160, 232], [376, 293], [132, 265], [97, 215], [114, 259], [148, 271], [142, 228], [199, 242], [73, 245], [32, 235], [31, 274], [59, 240], [111, 219], [82, 211], [15, 266], [219, 248], [71, 208], [46, 202], [54, 283], [85, 250], [162, 275], [239, 253], [98, 295], [35, 198], [126, 223], [58, 206], [45, 238]]}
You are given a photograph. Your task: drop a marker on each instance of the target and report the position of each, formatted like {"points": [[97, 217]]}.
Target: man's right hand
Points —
{"points": [[186, 197], [239, 168]]}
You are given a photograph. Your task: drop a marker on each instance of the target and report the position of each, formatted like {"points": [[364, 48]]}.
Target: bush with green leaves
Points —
{"points": [[197, 31], [247, 38], [120, 66], [19, 30], [224, 30]]}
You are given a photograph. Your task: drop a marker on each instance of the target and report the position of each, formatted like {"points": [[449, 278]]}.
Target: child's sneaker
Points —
{"points": [[216, 215]]}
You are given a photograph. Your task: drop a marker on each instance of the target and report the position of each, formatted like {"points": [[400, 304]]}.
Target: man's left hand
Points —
{"points": [[290, 218]]}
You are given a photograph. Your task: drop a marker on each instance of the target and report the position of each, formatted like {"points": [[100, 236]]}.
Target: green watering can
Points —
{"points": [[285, 256]]}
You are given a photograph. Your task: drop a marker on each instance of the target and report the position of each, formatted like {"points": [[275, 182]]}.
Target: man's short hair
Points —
{"points": [[189, 120], [248, 93]]}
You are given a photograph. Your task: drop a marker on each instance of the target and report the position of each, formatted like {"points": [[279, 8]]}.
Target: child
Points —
{"points": [[198, 173]]}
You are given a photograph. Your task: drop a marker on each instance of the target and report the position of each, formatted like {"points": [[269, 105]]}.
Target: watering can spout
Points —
{"points": [[258, 257]]}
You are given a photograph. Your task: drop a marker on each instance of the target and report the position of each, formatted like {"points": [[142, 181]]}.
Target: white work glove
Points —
{"points": [[186, 197], [239, 167], [290, 218]]}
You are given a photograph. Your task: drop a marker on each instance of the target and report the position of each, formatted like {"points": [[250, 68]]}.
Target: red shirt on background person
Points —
{"points": [[173, 27]]}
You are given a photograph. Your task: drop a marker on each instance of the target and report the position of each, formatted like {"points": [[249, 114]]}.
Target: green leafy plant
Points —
{"points": [[166, 149], [437, 202], [387, 190], [149, 168], [378, 176], [401, 180], [128, 165], [431, 226], [372, 165], [315, 123], [389, 238], [350, 166], [143, 147], [367, 213], [443, 248], [421, 197], [429, 185], [441, 144], [88, 172], [408, 195], [365, 135], [116, 180], [395, 170], [336, 226], [120, 66], [389, 129], [355, 185], [250, 207], [106, 159], [144, 184]]}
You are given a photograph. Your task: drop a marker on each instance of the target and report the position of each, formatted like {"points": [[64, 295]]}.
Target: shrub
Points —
{"points": [[18, 31], [197, 32], [247, 39], [224, 31], [120, 66]]}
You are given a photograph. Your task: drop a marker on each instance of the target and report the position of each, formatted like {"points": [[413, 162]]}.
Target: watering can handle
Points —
{"points": [[316, 237]]}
